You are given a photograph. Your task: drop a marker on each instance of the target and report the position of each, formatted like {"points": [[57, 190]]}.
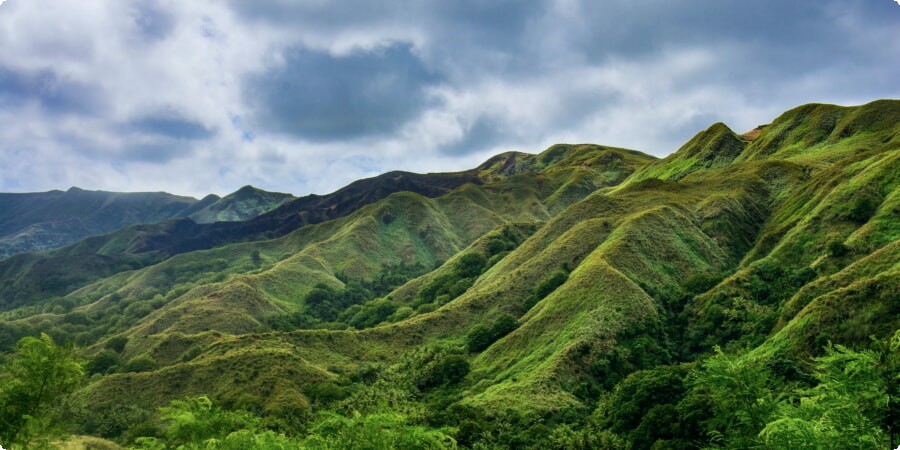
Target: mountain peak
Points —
{"points": [[815, 124], [247, 189], [242, 204], [717, 143]]}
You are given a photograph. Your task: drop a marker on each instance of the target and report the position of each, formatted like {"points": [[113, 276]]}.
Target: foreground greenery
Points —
{"points": [[740, 293], [848, 400]]}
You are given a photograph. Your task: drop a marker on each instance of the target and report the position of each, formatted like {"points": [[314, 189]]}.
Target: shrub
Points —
{"points": [[116, 344], [504, 325], [143, 363], [104, 362], [545, 287], [195, 420], [450, 370], [325, 392], [137, 310], [404, 312], [481, 337], [427, 308], [191, 353], [864, 208], [470, 265], [837, 249], [77, 318]]}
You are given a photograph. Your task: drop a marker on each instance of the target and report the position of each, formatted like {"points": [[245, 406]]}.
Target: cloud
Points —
{"points": [[51, 92], [204, 96], [154, 22], [170, 126], [319, 96]]}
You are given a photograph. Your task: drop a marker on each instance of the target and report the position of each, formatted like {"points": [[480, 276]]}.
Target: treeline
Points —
{"points": [[845, 399]]}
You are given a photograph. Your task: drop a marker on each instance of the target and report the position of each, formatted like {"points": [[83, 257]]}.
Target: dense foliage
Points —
{"points": [[34, 383], [358, 304]]}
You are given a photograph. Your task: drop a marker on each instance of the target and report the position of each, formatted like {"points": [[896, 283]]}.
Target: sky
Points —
{"points": [[196, 97]]}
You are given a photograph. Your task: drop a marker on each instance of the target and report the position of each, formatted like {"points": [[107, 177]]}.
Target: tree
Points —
{"points": [[545, 287], [104, 362], [32, 385], [116, 343], [848, 407], [143, 363], [741, 396], [481, 337], [448, 371]]}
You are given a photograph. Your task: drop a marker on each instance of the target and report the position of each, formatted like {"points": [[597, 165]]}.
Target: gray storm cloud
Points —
{"points": [[198, 97]]}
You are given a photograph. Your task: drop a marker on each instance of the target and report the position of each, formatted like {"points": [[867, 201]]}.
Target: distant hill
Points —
{"points": [[246, 203], [181, 234], [563, 173], [46, 220]]}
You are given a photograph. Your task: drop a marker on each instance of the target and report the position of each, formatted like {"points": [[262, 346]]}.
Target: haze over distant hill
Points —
{"points": [[45, 220], [40, 221]]}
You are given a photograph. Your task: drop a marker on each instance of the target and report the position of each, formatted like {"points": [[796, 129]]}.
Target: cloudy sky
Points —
{"points": [[304, 96]]}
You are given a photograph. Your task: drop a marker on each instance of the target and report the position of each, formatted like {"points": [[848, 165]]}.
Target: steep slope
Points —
{"points": [[402, 229], [140, 245], [713, 148], [243, 204], [629, 252], [47, 220]]}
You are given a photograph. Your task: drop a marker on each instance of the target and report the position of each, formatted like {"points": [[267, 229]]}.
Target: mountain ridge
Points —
{"points": [[562, 280], [46, 220]]}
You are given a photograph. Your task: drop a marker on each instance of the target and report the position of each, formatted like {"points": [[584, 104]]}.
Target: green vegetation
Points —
{"points": [[33, 385], [47, 220], [358, 304], [740, 293], [545, 287], [481, 337], [243, 204], [196, 423]]}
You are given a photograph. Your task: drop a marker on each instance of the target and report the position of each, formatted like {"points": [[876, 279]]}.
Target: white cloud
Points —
{"points": [[508, 77]]}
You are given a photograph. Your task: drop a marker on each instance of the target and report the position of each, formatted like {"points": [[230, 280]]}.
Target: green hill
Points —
{"points": [[243, 204], [46, 220], [732, 294]]}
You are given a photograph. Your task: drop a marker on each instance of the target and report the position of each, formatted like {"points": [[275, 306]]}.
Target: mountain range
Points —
{"points": [[41, 221], [585, 290]]}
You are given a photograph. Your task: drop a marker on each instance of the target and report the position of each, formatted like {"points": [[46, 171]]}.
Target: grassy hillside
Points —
{"points": [[139, 245], [731, 294]]}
